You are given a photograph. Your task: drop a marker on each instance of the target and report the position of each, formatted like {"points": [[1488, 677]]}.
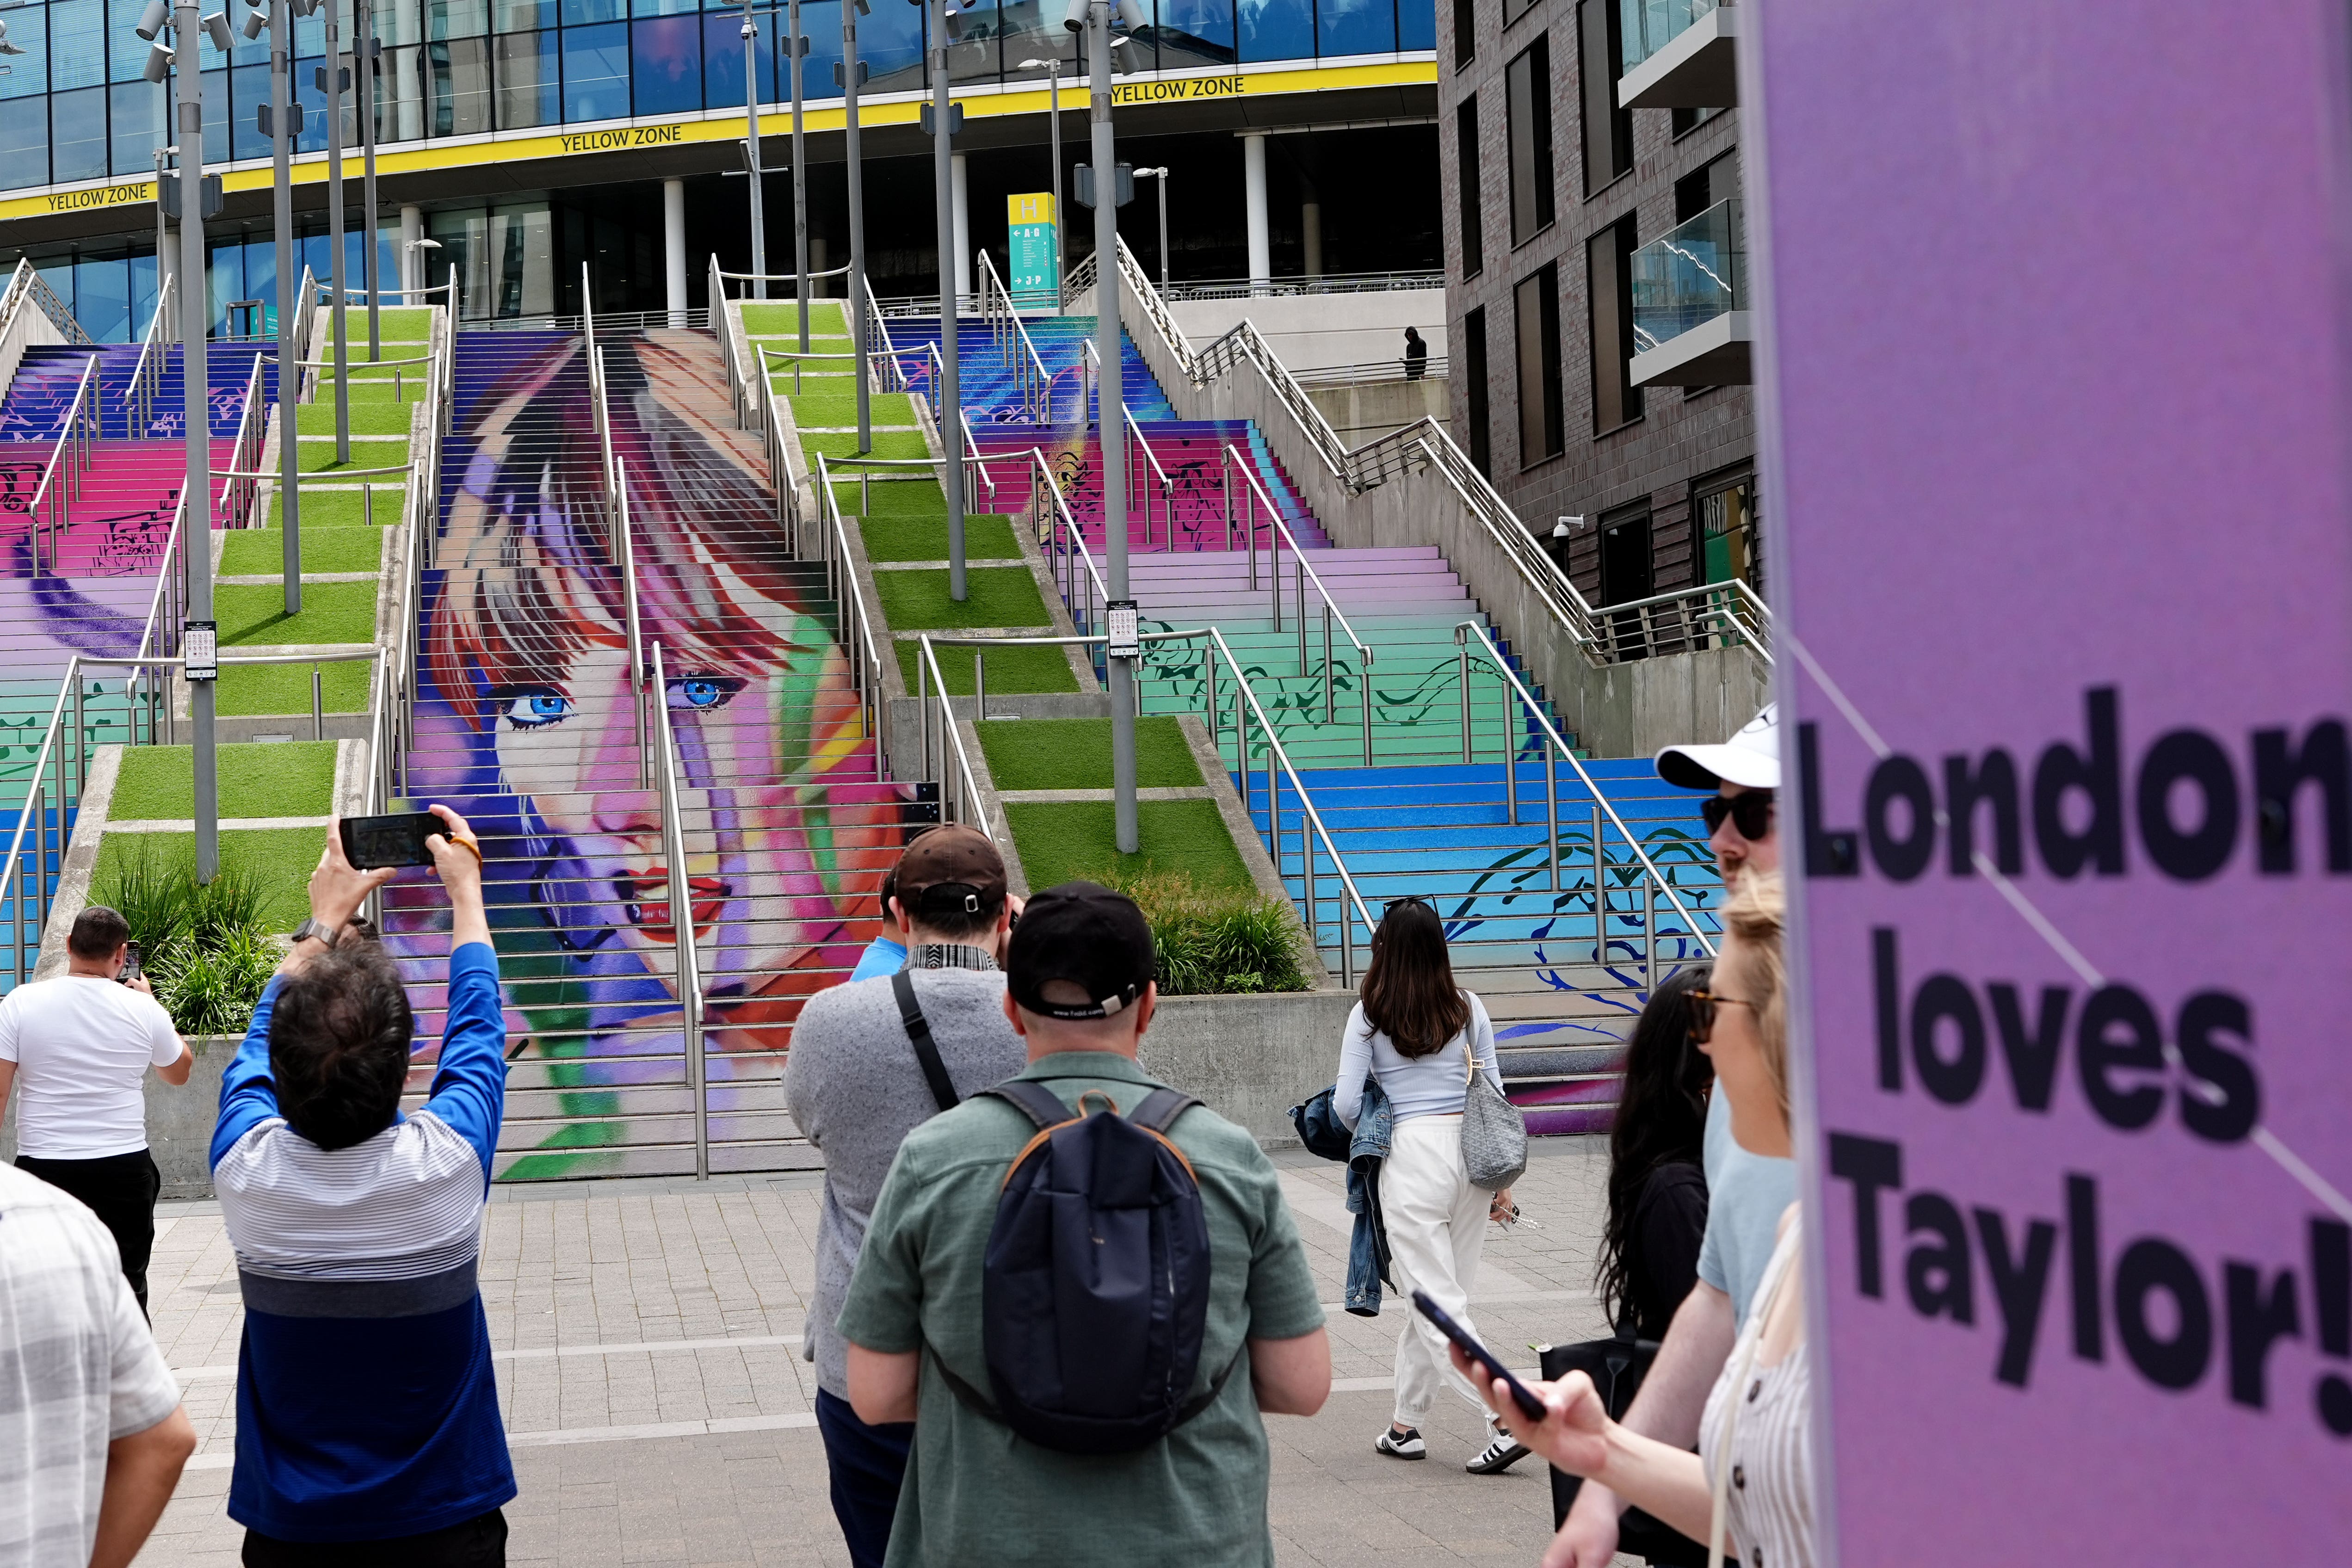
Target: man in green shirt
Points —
{"points": [[977, 1494]]}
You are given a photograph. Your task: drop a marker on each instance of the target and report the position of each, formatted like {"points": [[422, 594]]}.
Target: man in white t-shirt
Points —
{"points": [[93, 1438], [78, 1045]]}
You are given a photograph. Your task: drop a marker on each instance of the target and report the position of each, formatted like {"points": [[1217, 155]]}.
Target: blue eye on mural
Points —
{"points": [[701, 691], [536, 710]]}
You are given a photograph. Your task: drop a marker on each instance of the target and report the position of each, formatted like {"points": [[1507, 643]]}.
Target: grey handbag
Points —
{"points": [[1494, 1134]]}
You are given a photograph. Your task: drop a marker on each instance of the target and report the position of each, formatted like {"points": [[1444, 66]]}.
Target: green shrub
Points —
{"points": [[1211, 940], [204, 947]]}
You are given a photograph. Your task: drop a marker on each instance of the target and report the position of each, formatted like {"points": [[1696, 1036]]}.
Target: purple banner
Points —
{"points": [[2054, 393]]}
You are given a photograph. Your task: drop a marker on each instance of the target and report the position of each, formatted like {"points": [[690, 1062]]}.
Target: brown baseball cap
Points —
{"points": [[951, 869]]}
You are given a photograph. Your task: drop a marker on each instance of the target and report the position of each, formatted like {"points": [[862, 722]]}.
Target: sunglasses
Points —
{"points": [[1750, 812], [1703, 1004]]}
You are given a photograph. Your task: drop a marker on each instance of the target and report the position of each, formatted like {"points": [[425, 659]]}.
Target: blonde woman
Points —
{"points": [[1755, 1445]]}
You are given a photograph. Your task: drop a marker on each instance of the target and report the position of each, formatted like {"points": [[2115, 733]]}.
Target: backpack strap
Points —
{"points": [[1034, 1101], [1160, 1109], [979, 1404], [919, 1032]]}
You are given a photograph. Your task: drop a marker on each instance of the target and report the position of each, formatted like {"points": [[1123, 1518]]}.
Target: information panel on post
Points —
{"points": [[2068, 826], [200, 648], [1122, 628], [1034, 233]]}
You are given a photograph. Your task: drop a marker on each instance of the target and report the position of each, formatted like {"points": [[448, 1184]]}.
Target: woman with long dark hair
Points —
{"points": [[1420, 1037], [1657, 1189]]}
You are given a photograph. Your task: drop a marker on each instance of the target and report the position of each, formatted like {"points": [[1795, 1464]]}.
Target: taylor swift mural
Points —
{"points": [[525, 719]]}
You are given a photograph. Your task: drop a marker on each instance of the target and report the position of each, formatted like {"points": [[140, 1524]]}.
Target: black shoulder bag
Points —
{"points": [[919, 1032]]}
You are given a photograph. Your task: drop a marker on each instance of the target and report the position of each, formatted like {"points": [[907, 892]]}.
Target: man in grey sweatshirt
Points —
{"points": [[857, 1084]]}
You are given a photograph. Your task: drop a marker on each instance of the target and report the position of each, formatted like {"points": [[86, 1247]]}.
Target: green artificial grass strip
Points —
{"points": [[825, 318], [402, 325], [841, 408], [986, 537], [892, 443], [1009, 670], [997, 596], [408, 388], [890, 497], [257, 778], [1074, 754], [278, 858], [324, 549], [319, 457], [367, 418], [254, 615], [324, 508], [271, 689], [1061, 843]]}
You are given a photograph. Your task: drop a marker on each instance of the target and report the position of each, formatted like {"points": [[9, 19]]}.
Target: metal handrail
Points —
{"points": [[959, 795], [239, 496], [734, 350], [157, 634], [147, 374], [1167, 489], [364, 364], [1305, 574], [77, 434], [26, 283], [877, 331], [973, 457], [306, 318], [1322, 283], [1072, 555], [624, 547], [998, 310], [36, 810], [682, 932], [772, 277], [842, 584], [1463, 635]]}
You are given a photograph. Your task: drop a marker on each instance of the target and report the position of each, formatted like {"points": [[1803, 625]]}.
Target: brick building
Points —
{"points": [[1595, 281]]}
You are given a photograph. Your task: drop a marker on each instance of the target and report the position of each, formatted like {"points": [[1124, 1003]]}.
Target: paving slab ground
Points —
{"points": [[647, 1336]]}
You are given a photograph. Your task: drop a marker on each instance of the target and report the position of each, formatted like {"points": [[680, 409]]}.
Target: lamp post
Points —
{"points": [[853, 73], [1095, 17], [1160, 174], [950, 304], [1054, 128], [751, 149], [797, 42], [332, 84], [413, 276], [363, 59], [280, 121]]}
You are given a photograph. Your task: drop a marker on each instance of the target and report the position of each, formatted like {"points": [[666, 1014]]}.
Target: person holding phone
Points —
{"points": [[1421, 1036], [81, 1044], [1755, 1457]]}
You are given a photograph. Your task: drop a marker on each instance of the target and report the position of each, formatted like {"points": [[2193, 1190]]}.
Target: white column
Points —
{"points": [[1310, 235], [1261, 244], [961, 194], [673, 247], [411, 229]]}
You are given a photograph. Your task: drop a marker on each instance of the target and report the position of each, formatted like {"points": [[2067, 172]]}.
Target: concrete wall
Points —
{"points": [[1311, 331], [1366, 411], [1250, 1058], [179, 1120]]}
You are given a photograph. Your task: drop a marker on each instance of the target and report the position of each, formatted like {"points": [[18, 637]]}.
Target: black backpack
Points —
{"points": [[1095, 1287]]}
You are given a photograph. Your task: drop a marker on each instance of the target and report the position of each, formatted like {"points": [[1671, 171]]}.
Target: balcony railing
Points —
{"points": [[1696, 272], [1649, 26]]}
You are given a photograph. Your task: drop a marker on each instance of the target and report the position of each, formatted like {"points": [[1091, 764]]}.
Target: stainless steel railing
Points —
{"points": [[688, 977], [959, 793], [61, 478]]}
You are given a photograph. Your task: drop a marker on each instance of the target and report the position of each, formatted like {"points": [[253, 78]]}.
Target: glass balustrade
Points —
{"points": [[1696, 272], [1649, 26]]}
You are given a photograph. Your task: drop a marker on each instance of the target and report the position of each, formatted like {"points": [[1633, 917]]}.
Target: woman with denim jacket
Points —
{"points": [[1420, 1036]]}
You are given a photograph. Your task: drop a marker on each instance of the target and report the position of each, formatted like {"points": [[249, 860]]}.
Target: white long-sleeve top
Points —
{"points": [[1416, 1086]]}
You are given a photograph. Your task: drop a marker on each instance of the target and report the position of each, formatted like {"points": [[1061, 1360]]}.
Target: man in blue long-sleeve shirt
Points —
{"points": [[367, 1415]]}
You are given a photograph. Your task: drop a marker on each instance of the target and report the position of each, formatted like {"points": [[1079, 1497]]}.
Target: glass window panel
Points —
{"points": [[456, 19], [24, 143], [595, 73], [102, 298], [522, 252], [579, 11], [460, 71], [249, 51], [29, 73], [216, 113], [209, 59], [251, 86], [314, 107], [138, 117], [1033, 30], [530, 84], [142, 292], [261, 275], [400, 102], [1276, 29], [1416, 23], [79, 121], [78, 45], [131, 51], [890, 42], [1355, 26], [723, 64], [1191, 34], [400, 23], [675, 9], [311, 35], [521, 15], [973, 35], [665, 63], [822, 22]]}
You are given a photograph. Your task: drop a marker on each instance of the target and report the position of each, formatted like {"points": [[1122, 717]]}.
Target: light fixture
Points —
{"points": [[153, 20], [1131, 13], [216, 29], [159, 64], [253, 21], [1566, 526]]}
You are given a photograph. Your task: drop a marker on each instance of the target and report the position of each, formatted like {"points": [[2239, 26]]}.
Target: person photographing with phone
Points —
{"points": [[79, 1045], [367, 1417]]}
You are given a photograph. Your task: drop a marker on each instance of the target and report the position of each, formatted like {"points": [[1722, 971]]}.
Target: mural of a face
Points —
{"points": [[529, 715]]}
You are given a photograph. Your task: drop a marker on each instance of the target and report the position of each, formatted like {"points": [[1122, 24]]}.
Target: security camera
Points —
{"points": [[159, 64], [216, 29], [1132, 13], [153, 20], [253, 21], [1077, 19]]}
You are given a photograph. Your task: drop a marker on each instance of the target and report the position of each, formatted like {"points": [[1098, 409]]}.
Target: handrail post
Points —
{"points": [[1510, 753], [1461, 658], [1600, 889], [1551, 817]]}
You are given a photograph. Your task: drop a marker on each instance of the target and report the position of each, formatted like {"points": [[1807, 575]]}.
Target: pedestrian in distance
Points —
{"points": [[368, 1430], [1417, 355], [77, 1048], [1155, 1455], [885, 954], [1753, 1472], [870, 1062], [1657, 1188], [93, 1438], [1421, 1036], [1747, 1191]]}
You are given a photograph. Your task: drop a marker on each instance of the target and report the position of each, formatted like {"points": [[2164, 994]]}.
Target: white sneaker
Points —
{"points": [[1405, 1444], [1501, 1452]]}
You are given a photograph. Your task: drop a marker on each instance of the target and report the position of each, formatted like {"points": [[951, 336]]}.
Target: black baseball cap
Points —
{"points": [[949, 870], [1087, 934]]}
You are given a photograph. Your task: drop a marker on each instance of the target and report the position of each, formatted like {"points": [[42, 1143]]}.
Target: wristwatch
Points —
{"points": [[311, 928]]}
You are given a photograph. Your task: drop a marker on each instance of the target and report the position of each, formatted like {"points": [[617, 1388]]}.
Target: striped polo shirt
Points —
{"points": [[366, 1408]]}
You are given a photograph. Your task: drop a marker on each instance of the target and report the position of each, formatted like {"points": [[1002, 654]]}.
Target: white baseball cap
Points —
{"points": [[1750, 759]]}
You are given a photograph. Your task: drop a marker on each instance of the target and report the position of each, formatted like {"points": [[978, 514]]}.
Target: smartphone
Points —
{"points": [[130, 965], [397, 839], [1522, 1395]]}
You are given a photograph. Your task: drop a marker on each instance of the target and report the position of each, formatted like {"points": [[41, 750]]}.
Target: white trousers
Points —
{"points": [[1437, 1227]]}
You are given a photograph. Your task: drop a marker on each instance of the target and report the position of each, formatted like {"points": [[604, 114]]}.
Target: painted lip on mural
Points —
{"points": [[647, 894]]}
